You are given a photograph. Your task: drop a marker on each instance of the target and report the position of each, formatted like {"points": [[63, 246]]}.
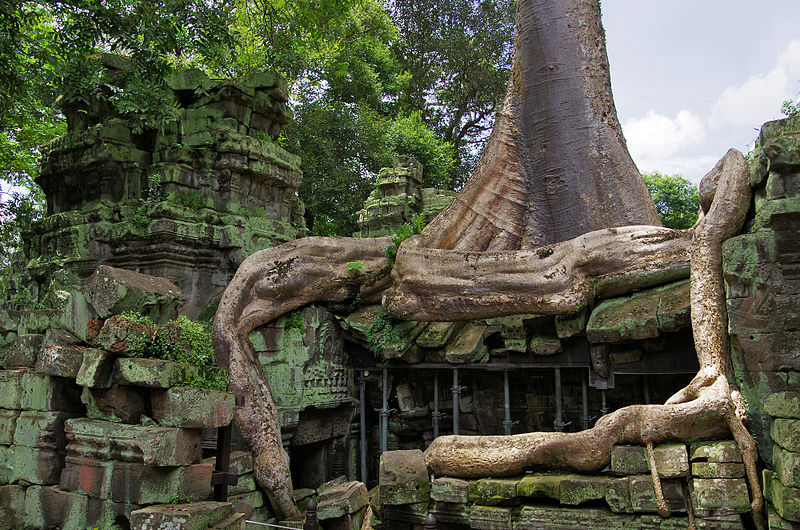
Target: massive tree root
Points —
{"points": [[268, 284], [708, 406], [539, 228]]}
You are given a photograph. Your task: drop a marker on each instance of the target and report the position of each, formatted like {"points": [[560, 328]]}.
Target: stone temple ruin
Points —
{"points": [[95, 434]]}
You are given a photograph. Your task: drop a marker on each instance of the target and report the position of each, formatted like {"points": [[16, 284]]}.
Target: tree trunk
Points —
{"points": [[556, 165], [268, 284]]}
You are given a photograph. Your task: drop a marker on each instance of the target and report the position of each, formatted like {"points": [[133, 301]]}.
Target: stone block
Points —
{"points": [[61, 337], [776, 522], [234, 522], [60, 360], [410, 515], [783, 405], [643, 495], [450, 490], [672, 460], [570, 325], [786, 465], [138, 483], [786, 433], [9, 320], [467, 346], [246, 482], [30, 465], [241, 462], [112, 291], [254, 499], [50, 507], [192, 407], [544, 345], [36, 321], [720, 495], [193, 516], [120, 404], [88, 476], [127, 337], [489, 517], [155, 446], [8, 424], [153, 373], [784, 499], [341, 500], [437, 334], [540, 485], [629, 460], [27, 390], [492, 491], [642, 315], [42, 429], [12, 507], [577, 489], [21, 353], [403, 477], [76, 314], [717, 452], [447, 513], [718, 470], [96, 368]]}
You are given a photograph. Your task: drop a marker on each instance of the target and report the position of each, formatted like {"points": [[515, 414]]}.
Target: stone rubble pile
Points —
{"points": [[709, 477], [92, 434]]}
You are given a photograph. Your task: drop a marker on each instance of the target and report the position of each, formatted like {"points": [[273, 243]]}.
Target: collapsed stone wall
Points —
{"points": [[398, 197], [646, 332], [762, 277], [92, 434], [187, 202], [703, 482]]}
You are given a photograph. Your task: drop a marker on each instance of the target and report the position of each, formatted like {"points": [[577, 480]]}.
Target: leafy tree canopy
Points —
{"points": [[676, 198], [368, 80]]}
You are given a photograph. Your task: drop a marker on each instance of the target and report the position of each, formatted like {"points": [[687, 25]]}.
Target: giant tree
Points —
{"points": [[554, 215]]}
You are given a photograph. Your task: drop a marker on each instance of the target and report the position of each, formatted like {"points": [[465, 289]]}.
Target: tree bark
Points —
{"points": [[708, 406], [268, 284], [556, 165]]}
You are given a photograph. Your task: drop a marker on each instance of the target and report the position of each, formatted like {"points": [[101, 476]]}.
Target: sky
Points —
{"points": [[691, 79]]}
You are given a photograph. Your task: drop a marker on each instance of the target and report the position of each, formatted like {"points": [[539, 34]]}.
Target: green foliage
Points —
{"points": [[456, 55], [355, 267], [183, 341], [294, 320], [194, 347], [153, 195], [676, 199], [189, 199], [790, 108], [381, 333], [401, 234]]}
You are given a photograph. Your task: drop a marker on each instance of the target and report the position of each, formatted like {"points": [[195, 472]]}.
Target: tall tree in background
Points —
{"points": [[677, 199], [457, 54], [45, 51]]}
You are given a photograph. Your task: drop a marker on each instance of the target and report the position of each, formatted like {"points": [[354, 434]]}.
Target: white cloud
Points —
{"points": [[658, 136], [758, 98], [681, 144]]}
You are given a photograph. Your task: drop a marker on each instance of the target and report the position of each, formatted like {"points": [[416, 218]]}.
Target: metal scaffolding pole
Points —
{"points": [[456, 395], [558, 424], [362, 392], [436, 414], [385, 411], [506, 405], [585, 419], [603, 404]]}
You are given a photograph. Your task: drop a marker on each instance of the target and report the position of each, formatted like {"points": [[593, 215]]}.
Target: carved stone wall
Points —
{"points": [[762, 276], [187, 202]]}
